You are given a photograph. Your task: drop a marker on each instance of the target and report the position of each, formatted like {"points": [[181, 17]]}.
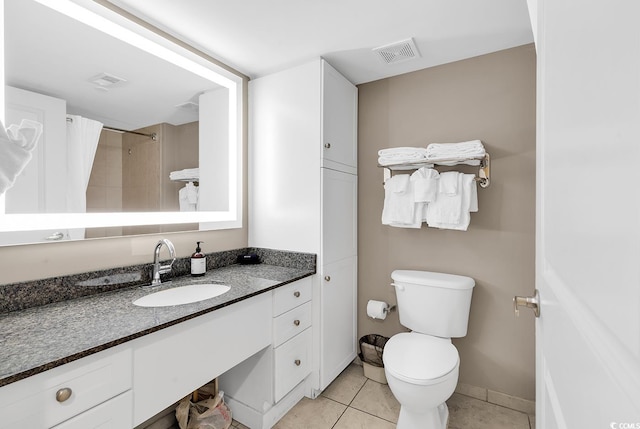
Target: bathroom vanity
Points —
{"points": [[100, 360]]}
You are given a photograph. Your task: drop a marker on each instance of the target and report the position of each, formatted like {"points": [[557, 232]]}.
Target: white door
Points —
{"points": [[588, 217], [41, 187]]}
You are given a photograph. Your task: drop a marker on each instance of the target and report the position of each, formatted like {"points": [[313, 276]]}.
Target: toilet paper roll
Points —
{"points": [[377, 309]]}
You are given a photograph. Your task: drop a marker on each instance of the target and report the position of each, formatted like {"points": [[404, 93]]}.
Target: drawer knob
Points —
{"points": [[296, 322], [63, 394], [296, 294], [327, 278], [297, 362], [327, 145]]}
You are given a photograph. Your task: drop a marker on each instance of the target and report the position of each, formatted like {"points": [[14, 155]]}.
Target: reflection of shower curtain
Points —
{"points": [[82, 141]]}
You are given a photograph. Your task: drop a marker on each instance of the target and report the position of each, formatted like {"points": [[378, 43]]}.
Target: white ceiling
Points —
{"points": [[258, 37]]}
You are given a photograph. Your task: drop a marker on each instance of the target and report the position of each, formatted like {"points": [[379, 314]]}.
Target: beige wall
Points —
{"points": [[492, 98]]}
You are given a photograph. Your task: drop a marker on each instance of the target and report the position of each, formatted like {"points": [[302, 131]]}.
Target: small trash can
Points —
{"points": [[371, 349]]}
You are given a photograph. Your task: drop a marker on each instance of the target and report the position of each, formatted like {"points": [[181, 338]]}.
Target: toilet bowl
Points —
{"points": [[422, 366], [422, 372]]}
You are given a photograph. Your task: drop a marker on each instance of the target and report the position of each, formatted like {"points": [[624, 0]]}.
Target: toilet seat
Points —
{"points": [[419, 359]]}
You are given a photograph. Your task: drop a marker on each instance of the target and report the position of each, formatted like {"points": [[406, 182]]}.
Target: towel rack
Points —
{"points": [[484, 171]]}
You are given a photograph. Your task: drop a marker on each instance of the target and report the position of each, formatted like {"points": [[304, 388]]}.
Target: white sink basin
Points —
{"points": [[181, 295]]}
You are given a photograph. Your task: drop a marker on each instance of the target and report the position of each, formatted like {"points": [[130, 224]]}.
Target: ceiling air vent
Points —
{"points": [[398, 52], [106, 80]]}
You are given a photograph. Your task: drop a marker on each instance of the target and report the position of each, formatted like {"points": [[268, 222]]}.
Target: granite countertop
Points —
{"points": [[36, 339]]}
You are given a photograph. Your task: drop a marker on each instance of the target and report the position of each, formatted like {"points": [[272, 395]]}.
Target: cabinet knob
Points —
{"points": [[296, 294], [297, 362], [296, 322], [327, 145], [327, 278], [63, 394]]}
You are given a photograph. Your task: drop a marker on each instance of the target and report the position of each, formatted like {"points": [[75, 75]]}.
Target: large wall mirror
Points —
{"points": [[140, 135]]}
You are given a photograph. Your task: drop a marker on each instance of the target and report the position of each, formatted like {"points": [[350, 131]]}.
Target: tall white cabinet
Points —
{"points": [[303, 195]]}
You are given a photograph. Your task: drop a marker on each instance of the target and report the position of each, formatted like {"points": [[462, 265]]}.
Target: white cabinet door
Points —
{"points": [[338, 327], [284, 159], [339, 215], [339, 116]]}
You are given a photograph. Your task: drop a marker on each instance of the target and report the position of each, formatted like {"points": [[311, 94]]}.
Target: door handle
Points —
{"points": [[532, 302], [55, 236]]}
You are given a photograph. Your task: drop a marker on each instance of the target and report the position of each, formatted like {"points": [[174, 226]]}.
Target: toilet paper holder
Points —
{"points": [[379, 309]]}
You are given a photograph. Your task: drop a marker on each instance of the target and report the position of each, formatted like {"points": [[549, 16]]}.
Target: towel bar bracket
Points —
{"points": [[484, 174]]}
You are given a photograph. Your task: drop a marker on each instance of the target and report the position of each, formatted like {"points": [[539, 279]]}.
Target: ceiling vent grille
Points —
{"points": [[106, 80], [393, 53]]}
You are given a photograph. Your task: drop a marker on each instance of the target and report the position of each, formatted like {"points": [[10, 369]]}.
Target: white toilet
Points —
{"points": [[422, 366]]}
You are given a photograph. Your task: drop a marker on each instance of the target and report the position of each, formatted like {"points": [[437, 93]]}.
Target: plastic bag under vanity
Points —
{"points": [[208, 413]]}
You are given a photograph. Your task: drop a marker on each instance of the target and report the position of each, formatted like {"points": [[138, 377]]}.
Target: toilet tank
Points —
{"points": [[431, 303]]}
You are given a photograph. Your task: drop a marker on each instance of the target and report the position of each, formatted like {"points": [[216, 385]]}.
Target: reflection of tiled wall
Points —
{"points": [[104, 193], [131, 173], [146, 166]]}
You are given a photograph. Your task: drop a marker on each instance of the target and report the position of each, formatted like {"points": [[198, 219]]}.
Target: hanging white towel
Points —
{"points": [[449, 183], [188, 198], [425, 185], [453, 211], [447, 207], [399, 203], [16, 144]]}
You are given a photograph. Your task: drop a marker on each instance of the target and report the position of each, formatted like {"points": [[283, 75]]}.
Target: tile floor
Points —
{"points": [[353, 402]]}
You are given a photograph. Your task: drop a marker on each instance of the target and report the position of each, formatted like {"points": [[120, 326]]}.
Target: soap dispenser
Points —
{"points": [[198, 261]]}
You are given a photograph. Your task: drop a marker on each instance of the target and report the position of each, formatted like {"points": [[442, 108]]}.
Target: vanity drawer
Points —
{"points": [[291, 323], [292, 363], [32, 403], [292, 295], [115, 413]]}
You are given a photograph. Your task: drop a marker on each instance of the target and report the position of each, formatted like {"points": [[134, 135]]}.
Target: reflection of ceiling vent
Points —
{"points": [[188, 105], [106, 80], [398, 52]]}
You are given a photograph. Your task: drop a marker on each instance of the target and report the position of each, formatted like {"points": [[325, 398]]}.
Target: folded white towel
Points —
{"points": [[453, 212], [425, 184], [402, 151], [399, 205], [16, 144], [401, 155], [389, 162], [186, 174], [456, 151]]}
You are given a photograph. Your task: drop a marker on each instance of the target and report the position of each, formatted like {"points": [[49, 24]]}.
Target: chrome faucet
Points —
{"points": [[161, 269]]}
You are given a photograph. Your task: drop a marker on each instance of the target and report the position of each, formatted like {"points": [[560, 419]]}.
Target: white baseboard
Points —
{"points": [[497, 398], [258, 420]]}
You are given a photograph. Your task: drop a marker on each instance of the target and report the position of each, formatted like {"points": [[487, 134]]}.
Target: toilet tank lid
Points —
{"points": [[429, 278]]}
